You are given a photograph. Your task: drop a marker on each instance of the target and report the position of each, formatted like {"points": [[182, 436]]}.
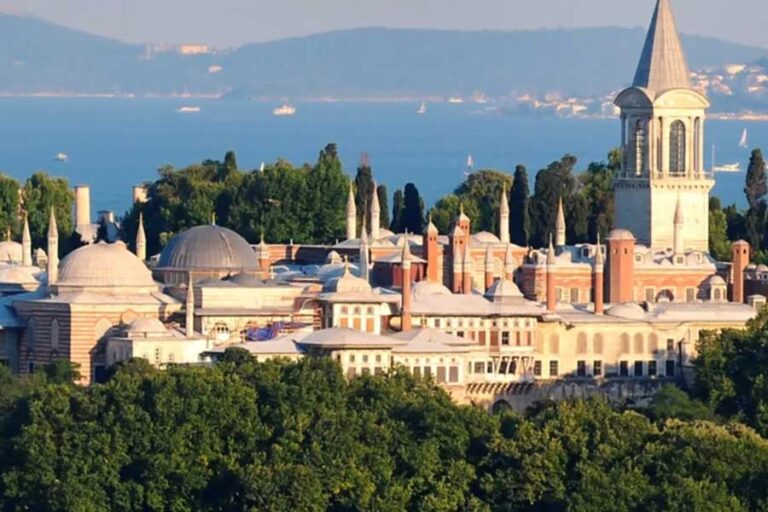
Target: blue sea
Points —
{"points": [[115, 143]]}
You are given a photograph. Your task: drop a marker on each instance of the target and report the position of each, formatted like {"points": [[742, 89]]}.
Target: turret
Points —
{"points": [[263, 254], [560, 226], [431, 252], [466, 286], [141, 240], [551, 297], [504, 216], [53, 249], [598, 283], [375, 215], [458, 270], [351, 215], [363, 256], [26, 244], [406, 288], [740, 251], [620, 267]]}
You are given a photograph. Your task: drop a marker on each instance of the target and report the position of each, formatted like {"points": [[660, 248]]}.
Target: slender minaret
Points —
{"points": [[26, 244], [141, 240], [406, 288], [351, 215], [504, 217], [551, 297], [53, 249], [509, 264], [488, 267], [466, 286], [375, 214], [679, 241], [560, 227], [364, 265], [189, 309], [599, 282]]}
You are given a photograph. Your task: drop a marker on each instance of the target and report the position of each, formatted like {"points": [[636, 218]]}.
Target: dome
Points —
{"points": [[503, 290], [208, 247], [620, 234], [347, 283], [716, 280], [762, 268], [428, 288], [17, 275], [146, 328], [628, 310], [484, 237], [11, 251], [104, 265], [245, 279]]}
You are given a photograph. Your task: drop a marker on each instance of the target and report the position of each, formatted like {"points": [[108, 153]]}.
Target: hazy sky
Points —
{"points": [[233, 22]]}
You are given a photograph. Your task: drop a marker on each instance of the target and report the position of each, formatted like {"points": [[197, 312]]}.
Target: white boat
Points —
{"points": [[61, 157], [726, 167], [743, 141], [261, 167], [284, 110], [470, 164], [456, 100], [188, 110], [423, 108]]}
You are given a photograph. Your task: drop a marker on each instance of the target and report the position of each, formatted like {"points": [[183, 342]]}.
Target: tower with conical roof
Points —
{"points": [[662, 141], [375, 214], [141, 240], [504, 216], [560, 225], [53, 249], [351, 215], [26, 244]]}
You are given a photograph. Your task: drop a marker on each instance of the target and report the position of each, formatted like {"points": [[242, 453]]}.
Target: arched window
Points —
{"points": [[581, 344], [220, 332], [598, 344], [641, 146], [625, 343], [639, 344], [554, 344], [677, 148]]}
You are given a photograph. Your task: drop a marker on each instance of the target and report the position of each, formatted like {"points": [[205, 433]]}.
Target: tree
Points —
{"points": [[42, 193], [413, 209], [755, 190], [597, 189], [552, 184], [381, 190], [719, 245], [9, 205], [398, 211], [518, 207], [444, 212], [480, 194], [363, 187], [327, 188]]}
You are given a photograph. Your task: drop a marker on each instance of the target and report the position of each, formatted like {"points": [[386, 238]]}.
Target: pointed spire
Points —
{"points": [[141, 239], [560, 226], [364, 233], [351, 214], [407, 257], [662, 64], [551, 252], [190, 309], [504, 216], [599, 258], [431, 228], [53, 229], [679, 219], [375, 214], [504, 199], [26, 244], [53, 249], [213, 218]]}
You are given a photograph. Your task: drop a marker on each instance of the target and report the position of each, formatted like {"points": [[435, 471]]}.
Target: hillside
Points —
{"points": [[37, 56]]}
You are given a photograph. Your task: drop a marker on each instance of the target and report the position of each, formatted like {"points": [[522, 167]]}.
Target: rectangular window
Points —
{"points": [[581, 368], [670, 368], [651, 368], [417, 371], [351, 358], [437, 322], [489, 367], [441, 374], [638, 368], [427, 371], [479, 367], [554, 370], [537, 368], [365, 371], [670, 345], [690, 295], [503, 367], [574, 295], [453, 374], [31, 367], [378, 370], [650, 295], [624, 369], [597, 368], [351, 372], [460, 334], [365, 358], [378, 358], [505, 338]]}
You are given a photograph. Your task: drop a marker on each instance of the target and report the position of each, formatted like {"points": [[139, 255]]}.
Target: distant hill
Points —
{"points": [[37, 56]]}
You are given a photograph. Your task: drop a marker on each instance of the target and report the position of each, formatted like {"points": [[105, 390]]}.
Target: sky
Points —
{"points": [[226, 23]]}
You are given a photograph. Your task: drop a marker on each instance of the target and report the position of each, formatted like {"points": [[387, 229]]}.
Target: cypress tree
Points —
{"points": [[755, 189], [364, 191], [381, 190], [518, 207], [398, 205], [413, 211]]}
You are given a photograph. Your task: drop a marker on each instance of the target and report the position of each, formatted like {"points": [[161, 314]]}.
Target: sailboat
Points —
{"points": [[423, 108], [743, 141], [724, 168], [470, 165]]}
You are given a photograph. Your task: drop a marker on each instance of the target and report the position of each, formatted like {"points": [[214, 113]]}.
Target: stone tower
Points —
{"points": [[662, 141]]}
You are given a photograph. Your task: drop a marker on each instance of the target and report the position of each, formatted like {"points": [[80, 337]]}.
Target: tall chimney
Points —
{"points": [[189, 310], [551, 297], [82, 206], [407, 297], [598, 279], [489, 274], [740, 251]]}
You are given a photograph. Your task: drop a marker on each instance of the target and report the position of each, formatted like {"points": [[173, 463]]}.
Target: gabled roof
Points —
{"points": [[662, 64]]}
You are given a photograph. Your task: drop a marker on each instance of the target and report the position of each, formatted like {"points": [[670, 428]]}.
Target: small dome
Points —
{"points": [[429, 289], [11, 251], [620, 234], [762, 268], [484, 237], [104, 265], [146, 328], [347, 283], [208, 247], [716, 280], [385, 233], [246, 279], [628, 310], [503, 290], [17, 275]]}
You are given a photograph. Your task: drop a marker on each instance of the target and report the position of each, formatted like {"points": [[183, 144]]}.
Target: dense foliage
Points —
{"points": [[298, 436]]}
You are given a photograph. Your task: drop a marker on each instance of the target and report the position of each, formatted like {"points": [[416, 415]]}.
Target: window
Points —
{"points": [[537, 368], [574, 295], [651, 368], [437, 322], [31, 367], [460, 334], [597, 368], [417, 371], [641, 146], [670, 345], [638, 368], [378, 371], [505, 338], [378, 358], [489, 367], [221, 331], [690, 295], [639, 344], [581, 368], [503, 367], [598, 344], [441, 374], [55, 335], [553, 369], [479, 367], [365, 358], [624, 369], [453, 374], [369, 310], [427, 371], [351, 358], [365, 371], [344, 310], [677, 148], [625, 343], [650, 293], [670, 368], [581, 344]]}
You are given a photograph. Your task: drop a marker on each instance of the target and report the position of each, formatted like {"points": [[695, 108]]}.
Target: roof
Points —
{"points": [[208, 247], [11, 251], [281, 346], [103, 266], [433, 336], [346, 338], [662, 64], [472, 305]]}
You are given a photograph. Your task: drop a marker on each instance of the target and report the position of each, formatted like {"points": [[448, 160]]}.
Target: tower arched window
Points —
{"points": [[641, 146], [677, 148]]}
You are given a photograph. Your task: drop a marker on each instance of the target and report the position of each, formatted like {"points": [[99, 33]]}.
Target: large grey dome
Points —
{"points": [[208, 247]]}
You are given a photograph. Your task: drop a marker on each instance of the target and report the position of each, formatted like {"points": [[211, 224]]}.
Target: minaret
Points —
{"points": [[26, 244], [560, 227], [551, 297], [466, 286], [599, 282], [351, 215], [189, 309], [364, 265], [458, 270], [509, 264], [430, 252], [141, 240], [504, 216], [678, 240], [406, 287], [489, 274], [53, 249], [375, 215]]}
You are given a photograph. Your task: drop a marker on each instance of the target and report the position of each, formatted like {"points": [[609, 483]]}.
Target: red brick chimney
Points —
{"points": [[431, 252], [621, 266], [406, 288], [740, 251]]}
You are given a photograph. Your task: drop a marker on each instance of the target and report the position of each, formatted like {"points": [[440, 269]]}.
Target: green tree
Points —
{"points": [[381, 190], [480, 194], [9, 205], [327, 188], [518, 207], [398, 212], [364, 191], [413, 209], [42, 193], [553, 183], [597, 189], [719, 245], [755, 190]]}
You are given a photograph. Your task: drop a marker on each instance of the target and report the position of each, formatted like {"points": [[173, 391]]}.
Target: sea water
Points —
{"points": [[114, 144]]}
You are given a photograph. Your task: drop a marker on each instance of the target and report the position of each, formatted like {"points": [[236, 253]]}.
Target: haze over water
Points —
{"points": [[114, 144]]}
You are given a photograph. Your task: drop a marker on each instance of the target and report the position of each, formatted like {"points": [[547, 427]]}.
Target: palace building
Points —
{"points": [[492, 322]]}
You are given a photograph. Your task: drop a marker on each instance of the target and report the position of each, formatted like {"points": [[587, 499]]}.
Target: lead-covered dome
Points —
{"points": [[104, 266], [10, 251], [208, 247]]}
